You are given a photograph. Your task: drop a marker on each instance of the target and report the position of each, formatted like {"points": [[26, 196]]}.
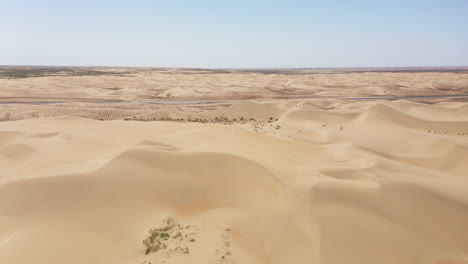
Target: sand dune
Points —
{"points": [[263, 180], [372, 182]]}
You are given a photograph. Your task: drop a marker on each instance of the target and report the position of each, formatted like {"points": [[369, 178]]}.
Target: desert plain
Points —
{"points": [[271, 166]]}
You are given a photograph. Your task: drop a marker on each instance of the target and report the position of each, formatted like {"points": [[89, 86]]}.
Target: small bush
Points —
{"points": [[179, 234], [186, 250]]}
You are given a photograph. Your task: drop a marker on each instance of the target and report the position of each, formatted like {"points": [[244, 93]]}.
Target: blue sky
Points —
{"points": [[234, 34]]}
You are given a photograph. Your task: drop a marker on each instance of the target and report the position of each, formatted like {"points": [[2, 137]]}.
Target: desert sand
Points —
{"points": [[273, 179]]}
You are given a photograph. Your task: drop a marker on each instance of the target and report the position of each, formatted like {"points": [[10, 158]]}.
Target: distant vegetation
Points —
{"points": [[9, 72], [214, 120]]}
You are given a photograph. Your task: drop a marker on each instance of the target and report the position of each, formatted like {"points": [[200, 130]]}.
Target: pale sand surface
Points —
{"points": [[262, 181]]}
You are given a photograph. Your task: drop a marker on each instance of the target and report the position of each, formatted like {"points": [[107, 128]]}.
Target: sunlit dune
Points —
{"points": [[257, 181]]}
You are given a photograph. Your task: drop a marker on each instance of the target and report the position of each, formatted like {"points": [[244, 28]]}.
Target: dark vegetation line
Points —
{"points": [[18, 72]]}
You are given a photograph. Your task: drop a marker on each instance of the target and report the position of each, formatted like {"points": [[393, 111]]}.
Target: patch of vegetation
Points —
{"points": [[169, 237], [18, 72], [445, 132]]}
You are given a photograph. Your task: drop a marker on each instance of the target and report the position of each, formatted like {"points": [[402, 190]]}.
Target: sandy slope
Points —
{"points": [[372, 182]]}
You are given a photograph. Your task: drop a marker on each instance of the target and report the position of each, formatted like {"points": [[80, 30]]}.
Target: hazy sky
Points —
{"points": [[236, 33]]}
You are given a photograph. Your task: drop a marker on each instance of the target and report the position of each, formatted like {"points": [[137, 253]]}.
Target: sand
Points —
{"points": [[259, 181]]}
